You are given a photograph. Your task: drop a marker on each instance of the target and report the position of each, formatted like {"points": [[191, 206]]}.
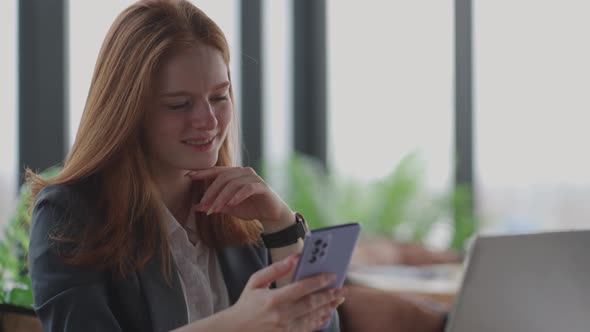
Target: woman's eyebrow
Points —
{"points": [[216, 87], [221, 85]]}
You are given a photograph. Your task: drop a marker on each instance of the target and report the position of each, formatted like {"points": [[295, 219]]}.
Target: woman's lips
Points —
{"points": [[203, 144]]}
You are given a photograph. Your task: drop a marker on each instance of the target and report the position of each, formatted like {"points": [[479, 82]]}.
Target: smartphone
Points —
{"points": [[327, 250]]}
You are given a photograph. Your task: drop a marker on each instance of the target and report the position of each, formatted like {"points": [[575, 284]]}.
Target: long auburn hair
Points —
{"points": [[107, 152]]}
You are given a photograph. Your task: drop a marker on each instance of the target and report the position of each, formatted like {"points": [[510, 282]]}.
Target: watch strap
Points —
{"points": [[286, 236]]}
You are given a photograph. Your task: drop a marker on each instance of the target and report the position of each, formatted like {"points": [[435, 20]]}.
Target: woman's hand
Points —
{"points": [[295, 307], [240, 192]]}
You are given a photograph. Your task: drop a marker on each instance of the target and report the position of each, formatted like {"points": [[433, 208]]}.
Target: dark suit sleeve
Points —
{"points": [[66, 297]]}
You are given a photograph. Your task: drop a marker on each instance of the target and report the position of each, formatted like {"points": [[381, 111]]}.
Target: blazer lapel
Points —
{"points": [[238, 264], [166, 303]]}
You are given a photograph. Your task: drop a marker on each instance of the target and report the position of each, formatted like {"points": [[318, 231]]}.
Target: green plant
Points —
{"points": [[15, 284], [398, 203], [465, 221]]}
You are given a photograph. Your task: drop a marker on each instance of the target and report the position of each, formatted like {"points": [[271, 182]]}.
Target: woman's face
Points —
{"points": [[188, 120]]}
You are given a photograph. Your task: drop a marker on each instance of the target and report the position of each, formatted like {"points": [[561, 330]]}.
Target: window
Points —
{"points": [[390, 95], [8, 109], [531, 99], [277, 78], [390, 87]]}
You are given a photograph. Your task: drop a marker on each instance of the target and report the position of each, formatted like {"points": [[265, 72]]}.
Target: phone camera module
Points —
{"points": [[318, 252]]}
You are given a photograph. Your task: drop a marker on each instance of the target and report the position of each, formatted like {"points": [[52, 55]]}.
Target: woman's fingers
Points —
{"points": [[203, 174], [246, 192], [230, 190], [217, 185], [263, 278], [297, 290], [315, 319], [316, 301], [222, 177], [301, 306]]}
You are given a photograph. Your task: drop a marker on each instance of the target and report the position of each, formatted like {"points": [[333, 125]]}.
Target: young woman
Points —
{"points": [[150, 226]]}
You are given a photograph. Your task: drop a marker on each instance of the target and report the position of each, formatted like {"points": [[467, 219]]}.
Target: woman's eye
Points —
{"points": [[220, 98], [178, 106]]}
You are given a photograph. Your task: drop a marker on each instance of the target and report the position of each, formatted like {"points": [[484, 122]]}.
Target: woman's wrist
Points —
{"points": [[286, 219]]}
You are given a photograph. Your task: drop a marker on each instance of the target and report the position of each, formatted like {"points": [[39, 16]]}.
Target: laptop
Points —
{"points": [[525, 283]]}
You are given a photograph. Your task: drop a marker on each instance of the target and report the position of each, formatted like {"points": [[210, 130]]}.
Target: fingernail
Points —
{"points": [[342, 299], [210, 211]]}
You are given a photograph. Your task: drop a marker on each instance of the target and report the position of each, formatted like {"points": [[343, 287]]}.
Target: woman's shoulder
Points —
{"points": [[63, 207], [64, 196]]}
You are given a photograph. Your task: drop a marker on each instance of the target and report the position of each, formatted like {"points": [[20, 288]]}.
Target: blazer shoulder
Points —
{"points": [[59, 210], [67, 202], [63, 196]]}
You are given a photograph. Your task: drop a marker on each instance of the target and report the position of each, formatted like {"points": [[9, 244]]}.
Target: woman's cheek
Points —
{"points": [[224, 116]]}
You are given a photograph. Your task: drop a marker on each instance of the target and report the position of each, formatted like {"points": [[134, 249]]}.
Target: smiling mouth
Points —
{"points": [[199, 142]]}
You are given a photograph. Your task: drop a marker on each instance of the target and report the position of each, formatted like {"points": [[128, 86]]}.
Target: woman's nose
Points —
{"points": [[203, 116]]}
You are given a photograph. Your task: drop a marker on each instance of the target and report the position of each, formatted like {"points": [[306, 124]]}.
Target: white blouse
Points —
{"points": [[200, 274]]}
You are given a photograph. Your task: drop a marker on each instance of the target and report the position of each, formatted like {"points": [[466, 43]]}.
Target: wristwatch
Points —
{"points": [[286, 236]]}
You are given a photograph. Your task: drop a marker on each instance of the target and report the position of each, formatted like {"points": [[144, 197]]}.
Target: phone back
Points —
{"points": [[328, 250]]}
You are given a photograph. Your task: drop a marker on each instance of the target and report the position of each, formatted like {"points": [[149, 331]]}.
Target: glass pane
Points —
{"points": [[89, 23], [390, 89], [532, 76], [8, 109], [390, 85], [277, 78]]}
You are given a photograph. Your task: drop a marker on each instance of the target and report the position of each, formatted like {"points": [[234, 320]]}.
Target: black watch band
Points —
{"points": [[286, 236]]}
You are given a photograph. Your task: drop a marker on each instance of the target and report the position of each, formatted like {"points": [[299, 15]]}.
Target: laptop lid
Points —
{"points": [[526, 283]]}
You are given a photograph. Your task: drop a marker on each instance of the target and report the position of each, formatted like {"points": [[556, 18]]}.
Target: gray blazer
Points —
{"points": [[70, 298]]}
